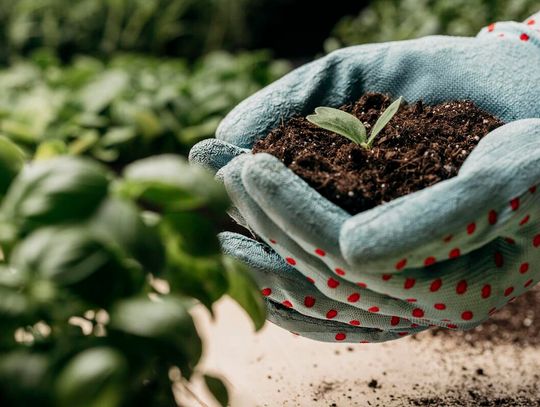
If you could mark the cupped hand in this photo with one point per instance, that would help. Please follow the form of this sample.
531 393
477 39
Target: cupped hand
448 255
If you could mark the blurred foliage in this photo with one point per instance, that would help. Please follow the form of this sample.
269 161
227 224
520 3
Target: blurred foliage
389 20
98 275
128 108
185 28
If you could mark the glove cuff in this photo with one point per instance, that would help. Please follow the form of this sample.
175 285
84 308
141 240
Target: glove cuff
525 32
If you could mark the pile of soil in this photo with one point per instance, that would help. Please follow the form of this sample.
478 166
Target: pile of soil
420 146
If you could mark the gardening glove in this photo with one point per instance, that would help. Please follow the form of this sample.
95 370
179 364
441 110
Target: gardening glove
448 255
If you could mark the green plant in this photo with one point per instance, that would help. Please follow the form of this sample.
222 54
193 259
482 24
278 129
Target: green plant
349 126
187 28
128 108
389 20
98 275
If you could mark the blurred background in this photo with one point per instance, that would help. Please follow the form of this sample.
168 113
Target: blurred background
167 71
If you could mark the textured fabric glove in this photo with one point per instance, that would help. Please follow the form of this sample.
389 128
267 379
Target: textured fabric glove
448 255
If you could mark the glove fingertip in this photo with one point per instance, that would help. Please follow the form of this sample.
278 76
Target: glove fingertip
214 154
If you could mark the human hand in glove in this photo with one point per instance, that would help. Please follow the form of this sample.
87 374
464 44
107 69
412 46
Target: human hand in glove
448 255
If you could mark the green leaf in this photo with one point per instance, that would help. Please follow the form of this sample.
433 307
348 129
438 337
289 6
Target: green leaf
84 142
171 183
200 277
11 162
97 95
243 290
74 258
164 326
384 119
120 223
50 149
23 378
218 389
340 122
96 377
194 234
55 191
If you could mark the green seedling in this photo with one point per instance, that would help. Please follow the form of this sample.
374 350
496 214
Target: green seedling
349 126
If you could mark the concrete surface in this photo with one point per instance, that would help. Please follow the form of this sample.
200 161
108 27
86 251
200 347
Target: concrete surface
276 368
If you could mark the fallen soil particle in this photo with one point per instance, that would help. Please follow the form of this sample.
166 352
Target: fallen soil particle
374 384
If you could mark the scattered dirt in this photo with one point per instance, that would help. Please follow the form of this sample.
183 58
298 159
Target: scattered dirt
419 147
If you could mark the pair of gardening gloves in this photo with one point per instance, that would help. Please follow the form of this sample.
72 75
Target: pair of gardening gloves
449 255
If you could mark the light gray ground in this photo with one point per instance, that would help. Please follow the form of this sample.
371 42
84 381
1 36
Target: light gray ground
276 368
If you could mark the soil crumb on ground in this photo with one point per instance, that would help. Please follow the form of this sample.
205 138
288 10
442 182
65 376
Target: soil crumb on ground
420 146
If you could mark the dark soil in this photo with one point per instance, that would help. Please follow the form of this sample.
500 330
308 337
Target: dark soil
421 146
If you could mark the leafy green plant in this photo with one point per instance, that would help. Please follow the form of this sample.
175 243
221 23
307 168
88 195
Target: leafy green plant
349 126
128 108
99 272
390 20
188 28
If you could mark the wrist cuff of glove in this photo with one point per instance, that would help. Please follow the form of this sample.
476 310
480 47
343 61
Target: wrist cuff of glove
525 32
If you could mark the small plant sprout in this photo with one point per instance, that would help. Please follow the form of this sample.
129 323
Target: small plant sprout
349 126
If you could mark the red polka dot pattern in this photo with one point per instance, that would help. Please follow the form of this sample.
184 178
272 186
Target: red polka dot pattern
439 293
287 303
435 285
461 287
291 261
467 315
400 265
524 37
514 204
339 272
429 261
409 283
486 291
331 314
524 220
332 283
309 301
492 217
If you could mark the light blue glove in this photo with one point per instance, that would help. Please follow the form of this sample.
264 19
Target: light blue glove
448 255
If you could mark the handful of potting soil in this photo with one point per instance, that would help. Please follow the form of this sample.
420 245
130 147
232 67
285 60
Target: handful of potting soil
447 255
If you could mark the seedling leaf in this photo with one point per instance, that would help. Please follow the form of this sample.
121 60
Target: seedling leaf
339 122
384 119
